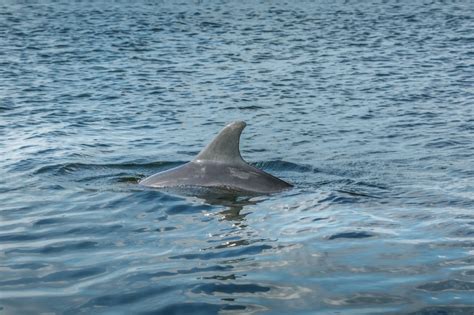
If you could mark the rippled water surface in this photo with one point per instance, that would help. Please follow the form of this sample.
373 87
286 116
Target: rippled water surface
368 109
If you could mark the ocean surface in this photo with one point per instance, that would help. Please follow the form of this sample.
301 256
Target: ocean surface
367 108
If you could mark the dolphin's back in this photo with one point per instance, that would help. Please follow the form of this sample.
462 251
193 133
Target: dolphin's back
243 178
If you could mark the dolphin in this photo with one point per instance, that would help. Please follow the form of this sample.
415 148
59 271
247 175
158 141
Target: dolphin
219 166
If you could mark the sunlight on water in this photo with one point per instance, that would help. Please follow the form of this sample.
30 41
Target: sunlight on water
365 107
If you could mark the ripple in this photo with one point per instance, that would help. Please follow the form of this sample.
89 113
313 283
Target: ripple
60 276
448 285
130 297
368 299
212 288
351 235
445 309
249 250
195 308
366 108
56 248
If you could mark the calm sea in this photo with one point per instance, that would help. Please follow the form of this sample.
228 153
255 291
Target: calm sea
367 108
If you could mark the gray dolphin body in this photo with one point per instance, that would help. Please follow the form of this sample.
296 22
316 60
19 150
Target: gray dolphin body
219 165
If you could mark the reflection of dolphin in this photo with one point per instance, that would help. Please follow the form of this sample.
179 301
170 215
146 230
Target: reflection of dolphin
219 166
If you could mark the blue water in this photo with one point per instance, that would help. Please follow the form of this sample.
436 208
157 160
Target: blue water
367 108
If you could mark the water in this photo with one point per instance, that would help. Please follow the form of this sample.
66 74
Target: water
366 108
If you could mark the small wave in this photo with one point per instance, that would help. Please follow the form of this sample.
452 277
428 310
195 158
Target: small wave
351 235
59 276
143 276
61 169
344 196
57 248
212 288
99 176
130 297
195 308
186 208
442 143
448 285
249 250
364 299
445 309
356 194
283 166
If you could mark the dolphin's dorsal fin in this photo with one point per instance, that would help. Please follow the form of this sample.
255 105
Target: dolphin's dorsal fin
225 146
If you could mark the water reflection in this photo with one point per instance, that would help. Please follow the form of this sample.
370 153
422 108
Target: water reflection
366 107
233 205
231 202
228 268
